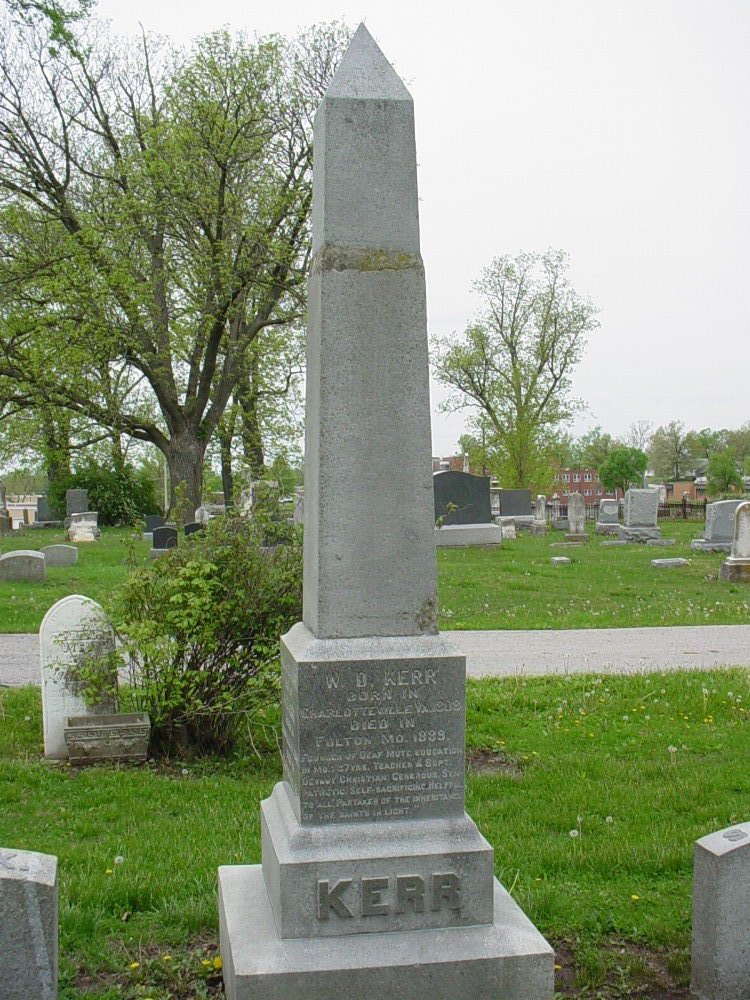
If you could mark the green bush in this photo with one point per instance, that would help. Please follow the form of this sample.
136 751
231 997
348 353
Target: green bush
200 629
122 496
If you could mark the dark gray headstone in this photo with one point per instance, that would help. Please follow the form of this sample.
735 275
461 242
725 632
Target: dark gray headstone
76 502
194 527
165 537
43 510
515 503
461 498
153 521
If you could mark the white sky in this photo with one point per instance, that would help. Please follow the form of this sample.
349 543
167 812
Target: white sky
618 130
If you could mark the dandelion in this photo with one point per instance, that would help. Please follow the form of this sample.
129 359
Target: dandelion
166 958
635 897
206 962
574 834
218 962
609 820
185 771
109 871
135 965
119 860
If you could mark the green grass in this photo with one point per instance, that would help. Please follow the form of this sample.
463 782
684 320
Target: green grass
593 754
516 587
101 566
512 587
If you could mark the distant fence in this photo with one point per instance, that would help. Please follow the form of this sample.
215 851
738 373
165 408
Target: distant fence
678 510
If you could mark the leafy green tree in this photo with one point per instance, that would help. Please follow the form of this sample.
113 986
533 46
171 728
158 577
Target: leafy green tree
671 451
723 472
592 449
623 468
704 443
155 222
514 364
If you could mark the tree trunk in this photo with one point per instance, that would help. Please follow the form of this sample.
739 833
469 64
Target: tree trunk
56 431
185 459
225 436
252 442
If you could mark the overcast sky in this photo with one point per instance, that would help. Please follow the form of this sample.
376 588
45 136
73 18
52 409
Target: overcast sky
618 130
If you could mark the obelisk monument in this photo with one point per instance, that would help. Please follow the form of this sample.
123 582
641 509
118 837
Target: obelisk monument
374 882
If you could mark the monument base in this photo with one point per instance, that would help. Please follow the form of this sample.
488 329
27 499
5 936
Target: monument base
538 528
606 527
702 545
580 539
735 571
640 534
505 960
451 535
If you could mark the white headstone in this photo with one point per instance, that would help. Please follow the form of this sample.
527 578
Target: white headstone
84 527
540 508
741 540
73 625
641 508
576 514
28 925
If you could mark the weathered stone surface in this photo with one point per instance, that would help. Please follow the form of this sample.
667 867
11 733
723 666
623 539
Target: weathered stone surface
458 535
76 502
93 738
661 543
720 520
152 521
641 508
83 526
44 512
461 498
194 527
540 508
614 543
721 904
509 530
581 539
60 555
165 537
560 561
507 959
23 565
73 627
516 503
639 535
609 512
576 514
669 563
736 569
28 925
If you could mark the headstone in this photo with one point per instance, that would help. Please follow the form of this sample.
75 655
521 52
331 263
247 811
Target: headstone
60 555
463 513
208 511
76 502
576 519
736 568
669 563
641 514
509 530
516 503
299 505
539 523
608 516
164 538
84 527
44 513
193 527
660 543
152 521
72 628
718 532
560 561
28 925
22 566
374 881
721 910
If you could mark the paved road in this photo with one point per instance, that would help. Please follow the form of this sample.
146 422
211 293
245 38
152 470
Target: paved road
506 654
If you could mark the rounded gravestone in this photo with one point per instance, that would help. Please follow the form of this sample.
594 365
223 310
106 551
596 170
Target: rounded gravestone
24 565
60 555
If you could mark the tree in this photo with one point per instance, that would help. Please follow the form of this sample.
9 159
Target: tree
593 448
670 451
156 209
704 443
723 472
623 468
514 364
639 435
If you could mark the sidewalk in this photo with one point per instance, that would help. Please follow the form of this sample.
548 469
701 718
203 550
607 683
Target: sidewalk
532 653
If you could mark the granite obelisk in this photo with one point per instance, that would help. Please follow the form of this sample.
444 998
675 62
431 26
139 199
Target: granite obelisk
374 882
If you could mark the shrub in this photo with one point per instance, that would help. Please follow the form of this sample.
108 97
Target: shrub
122 496
200 629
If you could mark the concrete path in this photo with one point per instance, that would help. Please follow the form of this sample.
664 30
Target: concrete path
507 654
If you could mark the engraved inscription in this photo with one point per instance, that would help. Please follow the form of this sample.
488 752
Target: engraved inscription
381 895
735 835
379 741
7 861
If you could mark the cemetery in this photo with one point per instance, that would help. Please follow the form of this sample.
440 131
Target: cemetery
252 762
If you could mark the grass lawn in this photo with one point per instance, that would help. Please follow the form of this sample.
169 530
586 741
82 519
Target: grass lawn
584 754
101 566
513 587
516 587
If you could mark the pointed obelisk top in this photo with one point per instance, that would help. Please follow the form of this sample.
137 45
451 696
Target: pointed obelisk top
364 73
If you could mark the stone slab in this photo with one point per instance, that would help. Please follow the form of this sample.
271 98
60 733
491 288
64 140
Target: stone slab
719 525
538 528
76 501
461 498
516 503
507 959
701 545
613 543
661 543
165 537
576 514
28 925
609 512
605 527
581 538
641 508
373 729
456 535
735 571
327 881
721 907
509 529
152 521
669 563
60 555
22 566
560 561
639 534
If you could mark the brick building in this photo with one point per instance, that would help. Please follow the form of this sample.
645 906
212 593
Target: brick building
585 481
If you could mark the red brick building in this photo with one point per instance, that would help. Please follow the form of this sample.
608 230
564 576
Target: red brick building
584 481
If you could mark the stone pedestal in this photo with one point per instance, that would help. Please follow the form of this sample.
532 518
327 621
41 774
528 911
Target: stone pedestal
606 528
736 569
579 538
456 535
632 533
28 925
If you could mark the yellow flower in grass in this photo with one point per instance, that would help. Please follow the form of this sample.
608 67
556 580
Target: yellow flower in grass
166 958
135 965
635 897
218 962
